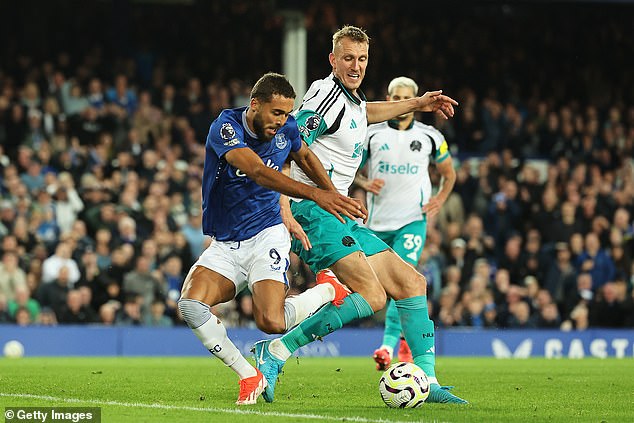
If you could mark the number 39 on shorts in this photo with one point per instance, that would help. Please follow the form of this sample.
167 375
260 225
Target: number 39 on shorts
412 243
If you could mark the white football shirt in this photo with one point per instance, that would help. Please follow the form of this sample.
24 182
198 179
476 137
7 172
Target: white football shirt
333 122
401 159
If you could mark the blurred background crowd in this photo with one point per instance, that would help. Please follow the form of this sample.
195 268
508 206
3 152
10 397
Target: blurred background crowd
105 107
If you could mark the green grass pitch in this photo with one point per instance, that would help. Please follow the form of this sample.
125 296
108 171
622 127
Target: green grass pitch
322 390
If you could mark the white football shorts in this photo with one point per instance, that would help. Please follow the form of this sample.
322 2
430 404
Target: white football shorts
264 256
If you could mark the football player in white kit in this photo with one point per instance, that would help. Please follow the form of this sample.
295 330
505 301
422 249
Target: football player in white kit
333 120
398 154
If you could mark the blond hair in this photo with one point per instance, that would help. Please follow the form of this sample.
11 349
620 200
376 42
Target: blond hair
402 81
352 32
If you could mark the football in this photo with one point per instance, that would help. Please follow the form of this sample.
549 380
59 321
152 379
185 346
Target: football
404 385
13 349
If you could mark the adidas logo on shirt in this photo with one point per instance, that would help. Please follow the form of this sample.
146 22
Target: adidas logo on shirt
384 147
353 124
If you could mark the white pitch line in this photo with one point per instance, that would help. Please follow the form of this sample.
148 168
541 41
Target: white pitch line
206 410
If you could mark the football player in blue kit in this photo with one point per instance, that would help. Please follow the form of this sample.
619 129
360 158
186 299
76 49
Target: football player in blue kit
245 151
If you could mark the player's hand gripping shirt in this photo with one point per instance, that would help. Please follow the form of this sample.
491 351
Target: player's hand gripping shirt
401 159
333 122
234 207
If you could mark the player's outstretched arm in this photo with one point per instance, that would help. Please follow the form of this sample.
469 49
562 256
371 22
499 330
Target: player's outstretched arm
252 166
431 101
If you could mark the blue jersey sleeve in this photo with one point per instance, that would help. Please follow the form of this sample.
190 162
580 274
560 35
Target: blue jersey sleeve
293 134
226 134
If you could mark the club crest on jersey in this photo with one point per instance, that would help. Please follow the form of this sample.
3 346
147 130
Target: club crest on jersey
348 241
280 141
227 132
313 122
415 145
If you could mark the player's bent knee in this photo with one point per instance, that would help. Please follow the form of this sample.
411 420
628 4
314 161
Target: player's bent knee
376 299
412 286
270 325
416 285
194 312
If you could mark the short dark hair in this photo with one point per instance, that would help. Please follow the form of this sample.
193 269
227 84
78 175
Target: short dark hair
270 84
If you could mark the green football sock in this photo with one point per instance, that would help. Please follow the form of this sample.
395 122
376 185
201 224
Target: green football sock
327 320
392 331
419 332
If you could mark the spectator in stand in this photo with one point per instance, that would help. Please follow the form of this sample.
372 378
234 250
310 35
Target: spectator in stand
108 313
548 217
67 202
157 317
196 111
514 295
169 102
450 310
16 126
91 275
193 233
74 312
457 257
23 300
95 95
534 258
48 317
24 237
530 191
607 310
4 310
53 294
596 261
511 260
180 247
122 97
126 232
61 258
172 281
35 138
466 185
561 275
502 283
33 178
103 243
23 317
588 212
130 313
79 239
11 275
567 225
549 317
503 213
73 100
479 243
521 317
141 282
581 294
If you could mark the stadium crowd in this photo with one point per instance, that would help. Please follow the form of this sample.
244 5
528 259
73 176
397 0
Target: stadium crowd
101 160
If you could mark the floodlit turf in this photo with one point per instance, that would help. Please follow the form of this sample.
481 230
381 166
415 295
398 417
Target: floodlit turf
322 389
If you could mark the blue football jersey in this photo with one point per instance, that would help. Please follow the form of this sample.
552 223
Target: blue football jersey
234 207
